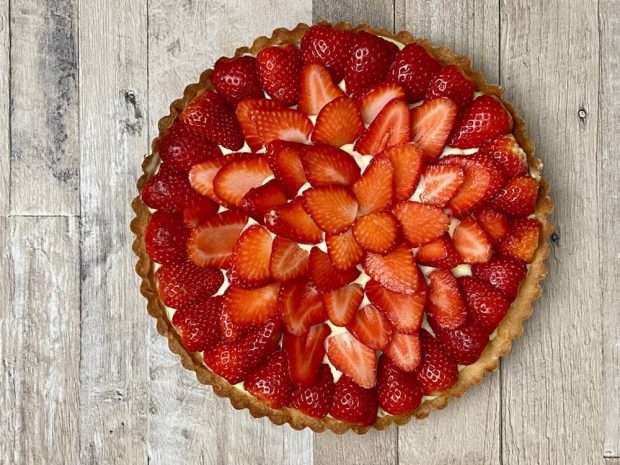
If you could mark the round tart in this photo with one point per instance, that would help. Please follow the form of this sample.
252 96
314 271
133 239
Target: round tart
341 228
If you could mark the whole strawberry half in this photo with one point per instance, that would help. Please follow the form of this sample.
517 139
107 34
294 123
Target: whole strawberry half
437 370
182 283
181 148
329 47
198 324
398 392
270 382
305 353
353 403
452 83
279 68
168 190
485 118
165 239
316 399
236 78
508 154
487 306
522 239
504 273
414 68
465 343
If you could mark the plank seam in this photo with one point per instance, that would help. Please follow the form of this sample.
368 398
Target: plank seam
10 119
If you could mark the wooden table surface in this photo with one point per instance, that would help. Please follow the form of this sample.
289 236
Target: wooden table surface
86 379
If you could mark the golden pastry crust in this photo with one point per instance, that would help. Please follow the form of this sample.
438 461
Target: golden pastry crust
510 328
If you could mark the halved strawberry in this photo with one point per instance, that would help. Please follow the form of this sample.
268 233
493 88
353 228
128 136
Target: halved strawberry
374 190
353 359
230 331
371 327
414 68
181 283
212 242
285 124
376 232
292 221
236 178
398 391
197 324
333 208
278 70
431 124
236 78
181 148
438 370
354 404
315 400
284 159
485 118
270 382
404 351
342 304
165 239
518 197
300 305
405 312
465 343
288 260
439 254
440 183
199 210
471 242
259 201
325 165
168 190
452 83
396 271
421 223
245 112
201 175
316 89
487 306
503 273
407 160
508 154
391 126
372 102
494 223
522 240
343 250
338 123
250 307
305 353
328 46
324 275
445 302
249 263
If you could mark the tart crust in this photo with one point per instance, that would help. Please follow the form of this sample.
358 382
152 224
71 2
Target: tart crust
510 328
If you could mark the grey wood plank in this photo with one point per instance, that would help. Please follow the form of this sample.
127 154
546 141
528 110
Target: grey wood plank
379 14
5 147
44 112
552 380
609 209
40 341
115 326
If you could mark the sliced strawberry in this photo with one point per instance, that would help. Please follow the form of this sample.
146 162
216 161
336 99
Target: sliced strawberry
494 223
250 307
518 197
438 370
198 324
270 382
471 242
353 359
371 327
406 160
485 118
372 102
376 232
230 331
404 351
287 125
398 391
169 191
278 70
414 69
201 175
445 302
440 183
508 154
354 404
249 265
259 201
391 126
498 179
503 273
182 283
396 271
405 312
374 191
333 208
291 220
325 165
465 343
431 124
317 89
343 250
342 304
245 112
421 223
181 148
522 240
338 123
452 83
284 159
487 305
315 400
305 353
236 178
236 78
328 46
199 210
300 305
165 239
324 275
288 260
212 242
439 254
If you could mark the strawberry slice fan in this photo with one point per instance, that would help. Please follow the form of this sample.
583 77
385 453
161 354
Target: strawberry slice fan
341 228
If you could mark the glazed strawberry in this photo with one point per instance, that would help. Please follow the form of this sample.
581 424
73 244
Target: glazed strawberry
485 118
305 353
487 306
249 265
270 382
503 273
291 221
498 179
376 232
182 283
391 126
437 371
210 115
494 223
404 351
440 183
300 305
212 242
288 260
471 242
342 304
371 327
374 190
353 359
431 124
168 190
236 178
278 71
396 271
414 69
328 46
370 58
343 250
324 275
338 123
450 82
324 165
230 331
372 102
259 201
354 404
250 307
315 400
333 208
508 154
197 324
405 312
398 392
165 238
406 160
518 197
465 343
284 159
246 111
421 223
236 78
445 302
201 175
285 124
198 210
317 89
181 148
522 240
439 254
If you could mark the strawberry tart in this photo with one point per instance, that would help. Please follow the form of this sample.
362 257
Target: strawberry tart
341 228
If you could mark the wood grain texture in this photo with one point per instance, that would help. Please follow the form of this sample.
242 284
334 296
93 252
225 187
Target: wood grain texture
5 118
551 381
40 341
379 14
44 112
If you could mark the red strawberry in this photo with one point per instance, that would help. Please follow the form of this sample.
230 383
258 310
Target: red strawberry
440 183
406 160
404 351
315 400
376 232
353 359
414 68
181 148
333 208
305 353
522 240
437 370
344 251
405 312
182 283
328 46
371 327
450 82
503 273
494 223
324 275
508 154
372 102
374 190
288 260
165 239
487 306
439 254
325 165
250 307
198 324
201 175
210 115
230 331
278 71
398 392
342 304
396 271
316 89
354 404
471 242
169 191
291 220
286 124
249 265
338 123
483 161
259 201
431 124
445 303
391 126
370 58
300 305
270 382
465 343
236 178
212 242
284 159
485 118
246 111
421 223
518 197
236 78
199 210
